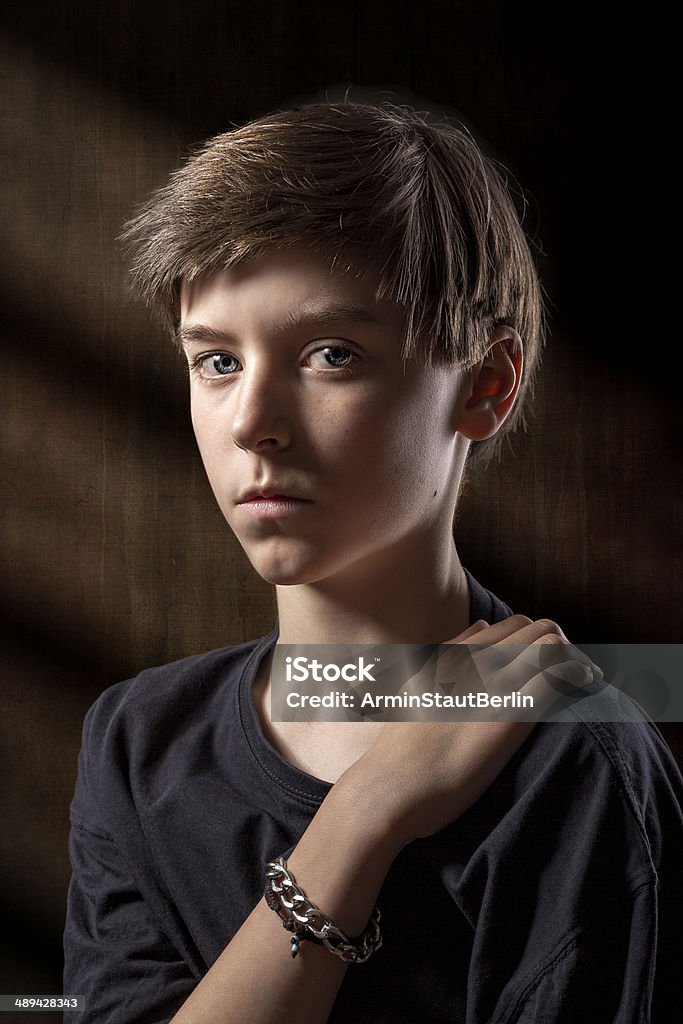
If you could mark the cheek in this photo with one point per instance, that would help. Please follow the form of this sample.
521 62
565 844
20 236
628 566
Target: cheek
383 452
351 436
199 426
413 451
196 415
388 431
207 431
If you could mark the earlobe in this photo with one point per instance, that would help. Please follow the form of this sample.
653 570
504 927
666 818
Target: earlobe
492 386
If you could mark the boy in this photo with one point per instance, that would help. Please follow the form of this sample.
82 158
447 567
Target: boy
361 318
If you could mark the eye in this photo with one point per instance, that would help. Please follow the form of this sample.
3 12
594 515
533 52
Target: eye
218 364
335 357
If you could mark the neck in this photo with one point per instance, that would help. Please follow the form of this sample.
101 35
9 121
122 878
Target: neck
416 595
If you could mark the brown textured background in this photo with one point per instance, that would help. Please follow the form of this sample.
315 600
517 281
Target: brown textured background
113 555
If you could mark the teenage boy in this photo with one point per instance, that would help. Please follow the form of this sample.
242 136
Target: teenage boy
361 317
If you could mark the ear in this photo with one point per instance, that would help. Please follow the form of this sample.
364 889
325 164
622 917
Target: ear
490 387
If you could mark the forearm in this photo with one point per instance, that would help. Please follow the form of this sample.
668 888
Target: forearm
340 862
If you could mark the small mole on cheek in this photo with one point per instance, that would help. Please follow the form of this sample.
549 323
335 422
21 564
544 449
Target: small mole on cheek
434 494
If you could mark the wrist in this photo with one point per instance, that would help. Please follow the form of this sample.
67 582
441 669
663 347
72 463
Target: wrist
342 859
308 922
372 808
379 809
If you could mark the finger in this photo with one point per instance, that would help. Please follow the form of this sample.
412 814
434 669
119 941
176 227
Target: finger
511 663
492 649
532 630
507 668
506 648
552 649
499 630
476 627
560 685
456 659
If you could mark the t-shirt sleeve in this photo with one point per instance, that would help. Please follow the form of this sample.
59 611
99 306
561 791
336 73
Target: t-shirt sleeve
600 970
575 896
116 954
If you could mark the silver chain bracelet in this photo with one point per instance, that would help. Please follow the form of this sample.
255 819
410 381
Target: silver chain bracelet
307 921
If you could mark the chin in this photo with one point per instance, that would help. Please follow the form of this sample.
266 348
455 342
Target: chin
288 570
280 576
290 562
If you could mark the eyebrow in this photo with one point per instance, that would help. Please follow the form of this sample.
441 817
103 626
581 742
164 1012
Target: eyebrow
309 315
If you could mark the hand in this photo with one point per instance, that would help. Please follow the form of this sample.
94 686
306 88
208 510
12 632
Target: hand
417 777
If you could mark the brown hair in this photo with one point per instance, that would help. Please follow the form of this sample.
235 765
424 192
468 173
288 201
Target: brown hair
378 187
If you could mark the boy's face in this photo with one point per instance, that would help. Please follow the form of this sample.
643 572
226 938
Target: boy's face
298 388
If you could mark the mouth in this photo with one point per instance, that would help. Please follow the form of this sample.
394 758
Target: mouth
272 493
272 506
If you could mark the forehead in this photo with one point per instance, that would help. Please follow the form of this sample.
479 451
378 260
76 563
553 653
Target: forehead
287 286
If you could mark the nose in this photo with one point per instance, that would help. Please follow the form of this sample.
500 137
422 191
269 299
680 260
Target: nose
263 404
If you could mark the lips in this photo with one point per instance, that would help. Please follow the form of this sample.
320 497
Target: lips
273 493
273 503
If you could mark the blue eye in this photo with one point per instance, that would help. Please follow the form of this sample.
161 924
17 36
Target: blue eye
218 365
336 356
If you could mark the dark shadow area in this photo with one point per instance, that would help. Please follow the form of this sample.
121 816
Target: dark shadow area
537 84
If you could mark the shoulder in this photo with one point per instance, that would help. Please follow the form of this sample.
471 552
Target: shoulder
594 805
618 772
631 756
144 726
642 769
158 692
598 762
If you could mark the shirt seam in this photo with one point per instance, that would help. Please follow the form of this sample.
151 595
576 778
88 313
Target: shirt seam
565 945
625 786
84 826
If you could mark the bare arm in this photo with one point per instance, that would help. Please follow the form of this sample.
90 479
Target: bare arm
414 780
340 861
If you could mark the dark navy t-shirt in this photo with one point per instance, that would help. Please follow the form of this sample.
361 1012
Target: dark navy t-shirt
556 898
